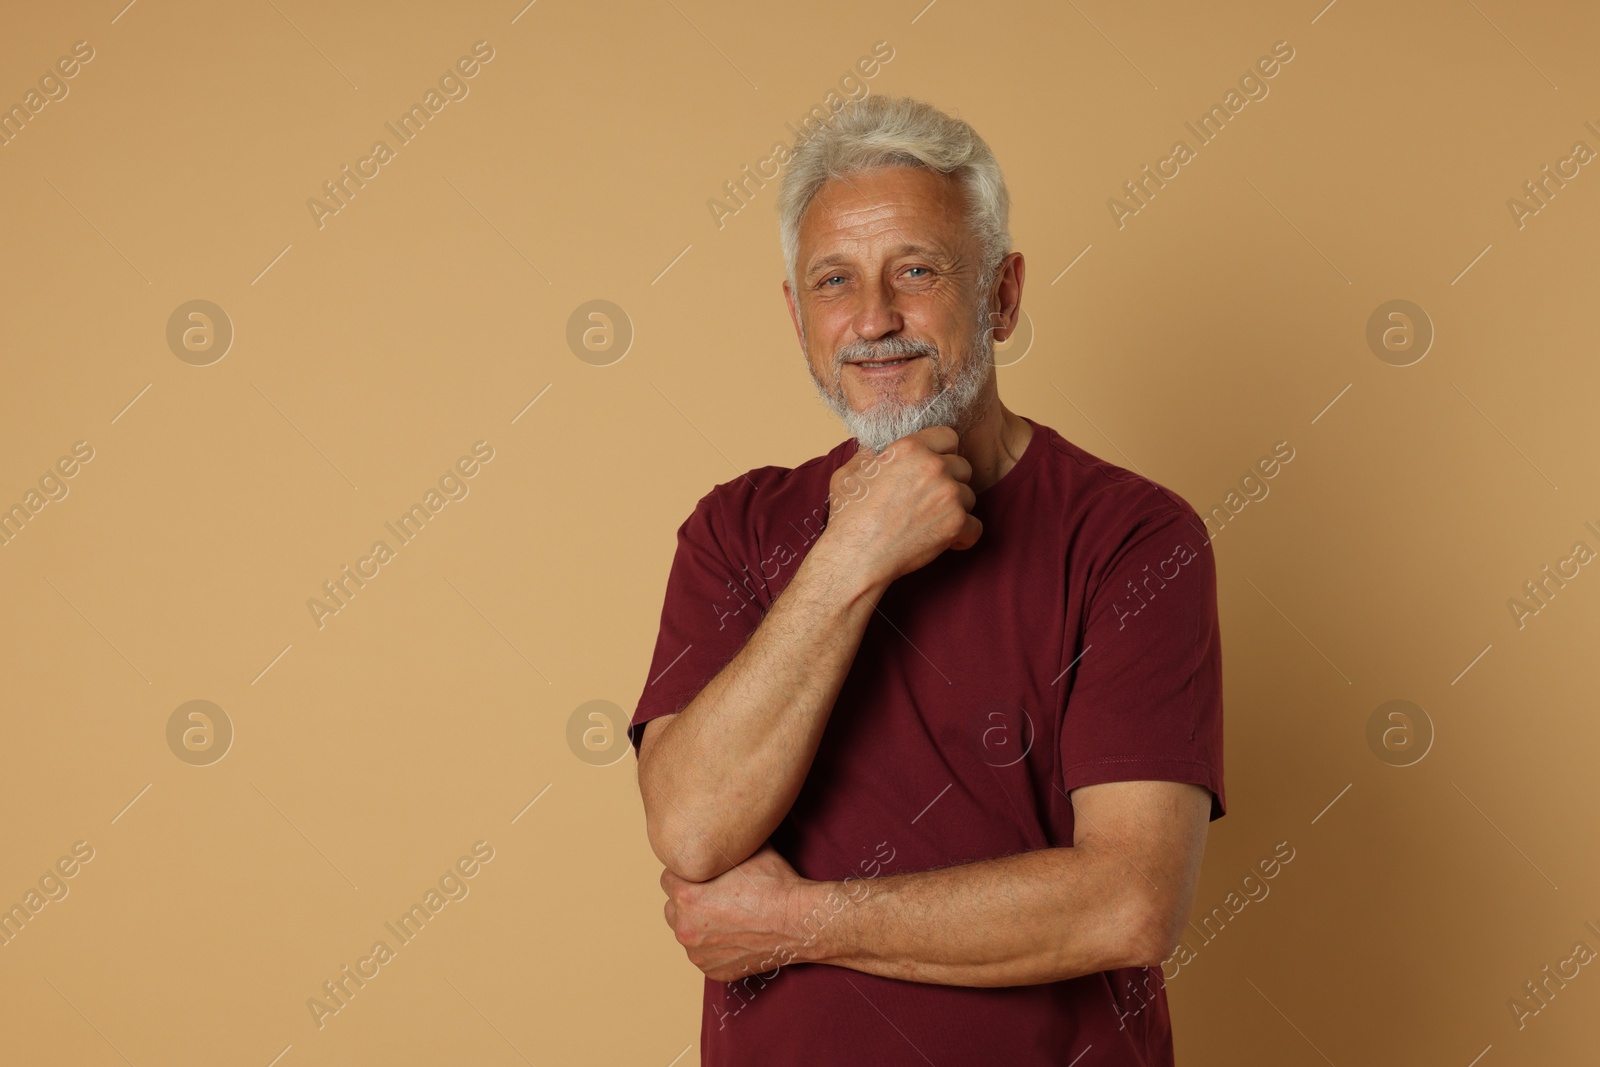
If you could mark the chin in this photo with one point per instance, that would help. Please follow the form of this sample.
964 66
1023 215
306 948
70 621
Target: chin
899 396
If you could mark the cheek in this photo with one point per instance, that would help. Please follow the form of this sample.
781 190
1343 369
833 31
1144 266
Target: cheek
831 324
821 367
945 317
823 339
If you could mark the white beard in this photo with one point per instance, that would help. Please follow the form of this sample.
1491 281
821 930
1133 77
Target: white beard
890 419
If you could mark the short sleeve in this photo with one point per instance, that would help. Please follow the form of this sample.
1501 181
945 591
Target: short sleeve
706 617
1146 695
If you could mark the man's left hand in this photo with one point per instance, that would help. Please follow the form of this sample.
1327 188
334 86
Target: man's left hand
742 921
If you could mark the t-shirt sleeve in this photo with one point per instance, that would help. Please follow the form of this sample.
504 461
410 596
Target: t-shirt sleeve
706 617
1146 698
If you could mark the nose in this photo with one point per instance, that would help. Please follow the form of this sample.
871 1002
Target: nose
875 313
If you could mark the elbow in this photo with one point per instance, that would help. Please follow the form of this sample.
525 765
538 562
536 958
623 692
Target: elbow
1152 939
694 865
684 851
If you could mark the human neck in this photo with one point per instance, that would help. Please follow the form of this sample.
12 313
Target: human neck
993 444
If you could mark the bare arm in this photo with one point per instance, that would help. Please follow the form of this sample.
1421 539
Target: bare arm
1119 897
718 777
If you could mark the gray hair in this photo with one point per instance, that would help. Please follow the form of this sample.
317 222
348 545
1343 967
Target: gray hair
880 131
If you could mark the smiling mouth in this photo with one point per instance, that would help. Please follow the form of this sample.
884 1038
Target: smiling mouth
874 364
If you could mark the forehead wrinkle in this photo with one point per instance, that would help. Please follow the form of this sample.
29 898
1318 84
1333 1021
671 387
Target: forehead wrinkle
851 185
954 256
848 242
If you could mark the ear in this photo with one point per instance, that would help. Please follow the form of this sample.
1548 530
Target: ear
1005 303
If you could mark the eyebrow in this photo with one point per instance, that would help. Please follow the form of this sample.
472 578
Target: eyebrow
894 253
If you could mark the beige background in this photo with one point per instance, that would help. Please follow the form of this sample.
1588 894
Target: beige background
370 353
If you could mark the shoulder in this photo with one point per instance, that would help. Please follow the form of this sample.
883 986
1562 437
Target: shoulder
1111 505
738 507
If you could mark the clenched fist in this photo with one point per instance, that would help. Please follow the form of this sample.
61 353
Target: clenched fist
896 512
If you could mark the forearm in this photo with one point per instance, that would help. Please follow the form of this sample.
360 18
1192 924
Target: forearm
725 773
1033 917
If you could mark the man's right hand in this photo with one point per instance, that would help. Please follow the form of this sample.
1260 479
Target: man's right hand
893 513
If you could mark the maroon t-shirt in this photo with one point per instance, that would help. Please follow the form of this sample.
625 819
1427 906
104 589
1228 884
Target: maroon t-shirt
1075 643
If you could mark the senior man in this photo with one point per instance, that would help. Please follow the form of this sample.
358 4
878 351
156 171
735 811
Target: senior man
932 734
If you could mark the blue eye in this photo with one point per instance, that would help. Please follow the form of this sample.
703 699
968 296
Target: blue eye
825 281
908 271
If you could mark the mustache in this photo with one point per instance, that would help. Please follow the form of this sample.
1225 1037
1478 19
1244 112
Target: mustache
886 348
